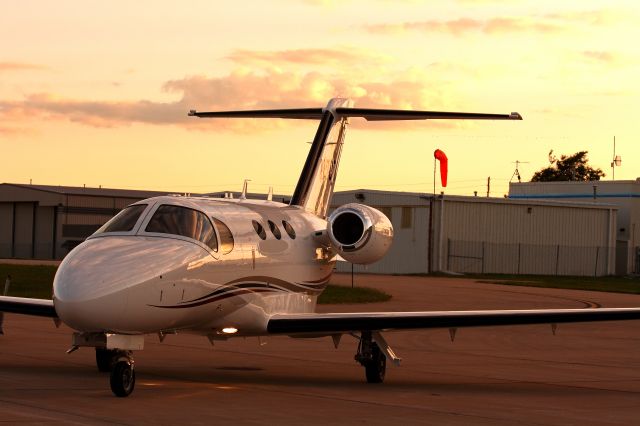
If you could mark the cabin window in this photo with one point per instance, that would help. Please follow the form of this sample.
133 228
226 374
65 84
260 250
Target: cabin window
289 229
183 221
226 238
259 230
123 221
274 230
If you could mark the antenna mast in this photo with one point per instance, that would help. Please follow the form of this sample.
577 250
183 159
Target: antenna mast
617 160
516 172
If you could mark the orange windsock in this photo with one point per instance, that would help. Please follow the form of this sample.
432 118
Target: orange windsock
441 156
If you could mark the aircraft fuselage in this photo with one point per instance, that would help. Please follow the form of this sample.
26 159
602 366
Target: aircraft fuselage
264 260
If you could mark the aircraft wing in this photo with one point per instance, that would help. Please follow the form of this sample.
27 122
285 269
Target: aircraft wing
27 306
384 321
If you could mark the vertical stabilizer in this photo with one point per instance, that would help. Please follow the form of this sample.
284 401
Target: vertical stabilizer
317 180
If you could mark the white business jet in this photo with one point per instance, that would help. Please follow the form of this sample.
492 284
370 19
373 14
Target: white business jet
224 268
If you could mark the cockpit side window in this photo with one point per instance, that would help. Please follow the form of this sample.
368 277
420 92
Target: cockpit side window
183 221
226 238
124 221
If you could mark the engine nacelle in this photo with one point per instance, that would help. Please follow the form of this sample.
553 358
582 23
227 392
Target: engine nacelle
359 233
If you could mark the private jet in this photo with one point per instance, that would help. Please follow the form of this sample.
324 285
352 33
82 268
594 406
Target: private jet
238 267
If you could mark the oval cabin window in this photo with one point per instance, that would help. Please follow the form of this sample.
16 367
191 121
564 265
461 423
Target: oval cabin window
289 229
275 230
259 230
226 238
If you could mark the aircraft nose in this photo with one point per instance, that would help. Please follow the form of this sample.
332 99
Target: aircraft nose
93 284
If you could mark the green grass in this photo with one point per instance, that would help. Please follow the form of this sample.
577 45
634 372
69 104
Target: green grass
28 280
342 294
609 284
37 281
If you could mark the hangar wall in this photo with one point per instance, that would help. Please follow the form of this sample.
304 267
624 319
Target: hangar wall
46 222
490 235
625 194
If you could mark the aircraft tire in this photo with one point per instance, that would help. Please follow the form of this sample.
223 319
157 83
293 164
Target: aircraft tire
123 378
375 367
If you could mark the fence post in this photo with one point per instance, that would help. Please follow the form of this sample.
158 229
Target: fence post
595 272
483 257
448 253
557 258
7 283
519 244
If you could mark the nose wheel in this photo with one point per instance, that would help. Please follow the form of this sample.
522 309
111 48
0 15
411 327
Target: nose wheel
123 375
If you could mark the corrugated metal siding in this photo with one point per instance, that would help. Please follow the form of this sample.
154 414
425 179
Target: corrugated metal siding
493 235
544 225
408 254
90 202
6 229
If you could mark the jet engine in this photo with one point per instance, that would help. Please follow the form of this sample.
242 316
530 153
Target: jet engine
359 233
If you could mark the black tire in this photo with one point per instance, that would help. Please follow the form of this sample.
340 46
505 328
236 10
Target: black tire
376 367
104 359
123 378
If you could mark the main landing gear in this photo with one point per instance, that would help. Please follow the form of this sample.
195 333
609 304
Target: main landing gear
121 365
372 354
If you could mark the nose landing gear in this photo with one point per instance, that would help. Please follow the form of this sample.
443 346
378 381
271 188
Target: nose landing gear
123 376
113 354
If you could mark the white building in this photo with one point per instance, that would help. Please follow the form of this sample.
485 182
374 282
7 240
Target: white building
624 194
491 235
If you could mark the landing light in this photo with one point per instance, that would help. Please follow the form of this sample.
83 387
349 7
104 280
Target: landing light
229 330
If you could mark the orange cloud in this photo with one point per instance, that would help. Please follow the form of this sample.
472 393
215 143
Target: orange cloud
411 89
545 24
19 66
307 56
602 57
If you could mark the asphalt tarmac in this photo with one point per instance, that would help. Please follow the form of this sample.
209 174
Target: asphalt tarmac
587 374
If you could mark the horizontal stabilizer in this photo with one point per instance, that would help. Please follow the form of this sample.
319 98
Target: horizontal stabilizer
380 321
366 113
298 113
398 114
27 306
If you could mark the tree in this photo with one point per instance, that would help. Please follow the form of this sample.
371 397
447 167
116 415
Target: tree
568 168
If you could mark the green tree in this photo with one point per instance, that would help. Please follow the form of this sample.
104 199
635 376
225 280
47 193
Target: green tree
568 168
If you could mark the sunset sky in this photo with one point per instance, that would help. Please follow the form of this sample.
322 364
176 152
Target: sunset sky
97 93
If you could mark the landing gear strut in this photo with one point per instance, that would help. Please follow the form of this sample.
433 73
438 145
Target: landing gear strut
104 358
371 358
123 375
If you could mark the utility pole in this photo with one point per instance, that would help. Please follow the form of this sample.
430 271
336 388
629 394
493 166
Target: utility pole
488 186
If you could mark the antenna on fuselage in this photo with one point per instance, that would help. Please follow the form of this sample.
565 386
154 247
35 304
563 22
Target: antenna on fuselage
243 196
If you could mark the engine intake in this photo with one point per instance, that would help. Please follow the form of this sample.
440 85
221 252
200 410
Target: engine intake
359 233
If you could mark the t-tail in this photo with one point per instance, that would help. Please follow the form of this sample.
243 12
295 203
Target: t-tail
317 180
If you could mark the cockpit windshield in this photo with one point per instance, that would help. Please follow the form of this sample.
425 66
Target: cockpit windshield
123 221
183 221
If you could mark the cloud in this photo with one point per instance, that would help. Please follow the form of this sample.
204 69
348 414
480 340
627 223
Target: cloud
314 56
601 57
540 24
268 88
20 66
